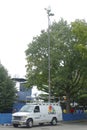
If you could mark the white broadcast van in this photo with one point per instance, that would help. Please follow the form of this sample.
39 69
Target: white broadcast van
37 113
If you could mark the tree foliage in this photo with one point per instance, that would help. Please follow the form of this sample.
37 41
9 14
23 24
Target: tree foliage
68 52
7 91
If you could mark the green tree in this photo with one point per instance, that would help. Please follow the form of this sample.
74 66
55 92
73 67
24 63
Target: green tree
68 60
7 91
79 32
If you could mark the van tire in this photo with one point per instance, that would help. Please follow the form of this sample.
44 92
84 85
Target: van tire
54 121
15 125
29 123
41 124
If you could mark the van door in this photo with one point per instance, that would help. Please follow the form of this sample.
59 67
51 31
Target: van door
44 114
37 115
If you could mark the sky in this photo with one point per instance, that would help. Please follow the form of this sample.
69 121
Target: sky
21 20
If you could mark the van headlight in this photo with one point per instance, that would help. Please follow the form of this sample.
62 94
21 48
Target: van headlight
23 118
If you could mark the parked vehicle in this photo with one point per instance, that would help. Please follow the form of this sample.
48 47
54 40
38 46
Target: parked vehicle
37 113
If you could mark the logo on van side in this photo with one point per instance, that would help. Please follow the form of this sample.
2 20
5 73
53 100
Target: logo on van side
51 110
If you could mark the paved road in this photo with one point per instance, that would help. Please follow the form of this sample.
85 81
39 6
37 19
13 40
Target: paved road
60 126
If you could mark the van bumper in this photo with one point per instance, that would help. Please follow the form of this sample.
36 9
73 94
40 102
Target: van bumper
19 122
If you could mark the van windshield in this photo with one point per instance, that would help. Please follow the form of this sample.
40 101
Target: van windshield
26 108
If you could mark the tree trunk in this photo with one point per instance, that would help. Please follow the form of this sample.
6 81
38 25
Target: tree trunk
67 103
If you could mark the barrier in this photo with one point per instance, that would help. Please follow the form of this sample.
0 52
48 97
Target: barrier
5 118
74 116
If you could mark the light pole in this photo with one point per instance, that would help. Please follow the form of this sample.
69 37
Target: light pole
49 80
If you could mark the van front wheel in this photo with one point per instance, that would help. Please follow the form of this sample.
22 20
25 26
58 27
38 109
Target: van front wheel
54 121
29 123
15 125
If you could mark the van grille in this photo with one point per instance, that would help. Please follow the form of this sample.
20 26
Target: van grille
17 117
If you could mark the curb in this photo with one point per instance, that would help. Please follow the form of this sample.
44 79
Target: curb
75 121
5 124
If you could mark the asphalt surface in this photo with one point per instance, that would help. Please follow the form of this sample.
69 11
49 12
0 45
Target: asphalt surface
78 125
